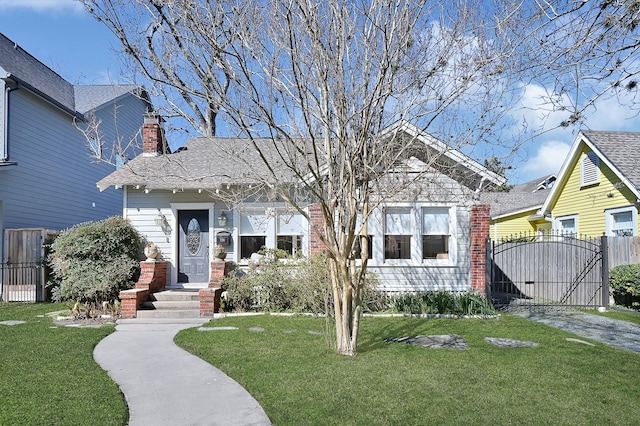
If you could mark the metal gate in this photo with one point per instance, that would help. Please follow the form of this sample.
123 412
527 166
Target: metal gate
22 274
549 270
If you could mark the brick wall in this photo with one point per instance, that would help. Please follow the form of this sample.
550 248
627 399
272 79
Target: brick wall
480 220
316 218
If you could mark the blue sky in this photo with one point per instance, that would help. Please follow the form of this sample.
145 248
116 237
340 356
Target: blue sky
63 36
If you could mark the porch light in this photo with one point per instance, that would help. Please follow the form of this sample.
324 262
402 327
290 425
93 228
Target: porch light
222 219
161 221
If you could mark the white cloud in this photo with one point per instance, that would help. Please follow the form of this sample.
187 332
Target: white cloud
537 110
548 159
42 5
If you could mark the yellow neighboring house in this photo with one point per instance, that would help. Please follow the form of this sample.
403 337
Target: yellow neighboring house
596 192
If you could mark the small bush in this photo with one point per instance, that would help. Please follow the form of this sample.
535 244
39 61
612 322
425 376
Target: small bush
624 281
93 261
298 285
442 302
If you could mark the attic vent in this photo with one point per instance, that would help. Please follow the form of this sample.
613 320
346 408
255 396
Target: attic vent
590 169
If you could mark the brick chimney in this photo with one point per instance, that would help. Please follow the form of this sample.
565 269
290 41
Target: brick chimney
153 141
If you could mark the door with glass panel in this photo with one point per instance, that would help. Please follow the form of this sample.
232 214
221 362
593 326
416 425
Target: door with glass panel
193 247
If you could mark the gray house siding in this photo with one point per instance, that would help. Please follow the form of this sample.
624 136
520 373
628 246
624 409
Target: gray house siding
53 185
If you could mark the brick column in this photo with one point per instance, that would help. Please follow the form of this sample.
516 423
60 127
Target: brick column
480 220
316 246
153 276
210 297
219 270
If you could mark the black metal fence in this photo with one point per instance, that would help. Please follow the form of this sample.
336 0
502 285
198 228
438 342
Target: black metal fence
22 282
550 270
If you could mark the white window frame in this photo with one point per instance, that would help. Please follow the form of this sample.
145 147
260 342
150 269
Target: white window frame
379 233
410 232
297 234
263 231
610 213
589 169
557 225
424 231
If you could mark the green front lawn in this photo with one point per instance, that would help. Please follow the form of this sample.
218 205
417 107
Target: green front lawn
48 375
298 380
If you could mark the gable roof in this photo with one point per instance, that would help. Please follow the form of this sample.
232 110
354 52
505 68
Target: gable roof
19 66
208 163
89 97
620 151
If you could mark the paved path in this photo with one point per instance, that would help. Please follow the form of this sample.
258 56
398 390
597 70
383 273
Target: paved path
165 385
613 332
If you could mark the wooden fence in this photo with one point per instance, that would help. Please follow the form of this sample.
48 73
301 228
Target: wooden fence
623 250
22 274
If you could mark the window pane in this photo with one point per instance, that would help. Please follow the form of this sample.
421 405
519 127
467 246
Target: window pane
357 252
623 223
435 221
568 226
291 223
253 223
193 236
398 221
292 244
435 246
250 244
397 247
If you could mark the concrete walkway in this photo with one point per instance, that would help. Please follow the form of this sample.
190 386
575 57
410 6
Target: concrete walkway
165 385
613 332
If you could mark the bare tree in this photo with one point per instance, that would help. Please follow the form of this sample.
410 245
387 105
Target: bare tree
328 88
580 52
179 47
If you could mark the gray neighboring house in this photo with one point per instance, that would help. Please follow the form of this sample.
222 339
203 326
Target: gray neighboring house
47 173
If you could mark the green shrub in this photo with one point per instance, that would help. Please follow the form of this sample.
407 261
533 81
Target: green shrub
93 261
287 284
442 302
624 281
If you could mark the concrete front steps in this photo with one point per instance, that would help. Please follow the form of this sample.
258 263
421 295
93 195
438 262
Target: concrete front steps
176 303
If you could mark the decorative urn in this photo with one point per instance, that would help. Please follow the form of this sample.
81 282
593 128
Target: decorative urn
151 251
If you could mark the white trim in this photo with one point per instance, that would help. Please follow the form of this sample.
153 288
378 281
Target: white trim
612 211
558 219
526 209
379 232
175 207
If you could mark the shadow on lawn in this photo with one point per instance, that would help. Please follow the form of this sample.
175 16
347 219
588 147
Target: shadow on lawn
372 336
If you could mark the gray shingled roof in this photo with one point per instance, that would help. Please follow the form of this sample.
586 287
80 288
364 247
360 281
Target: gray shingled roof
202 163
27 70
88 97
511 202
33 73
622 149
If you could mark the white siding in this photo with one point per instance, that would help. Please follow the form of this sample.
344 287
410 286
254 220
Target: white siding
428 278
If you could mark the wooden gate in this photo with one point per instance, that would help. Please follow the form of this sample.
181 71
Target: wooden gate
551 270
21 272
